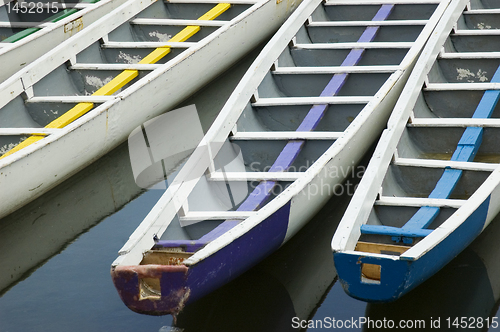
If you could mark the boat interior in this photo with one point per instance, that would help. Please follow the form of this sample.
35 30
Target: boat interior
279 133
449 146
112 64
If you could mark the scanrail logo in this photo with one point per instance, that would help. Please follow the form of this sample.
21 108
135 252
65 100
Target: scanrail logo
159 147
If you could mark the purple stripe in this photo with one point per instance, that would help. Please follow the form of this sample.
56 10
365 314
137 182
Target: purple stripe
262 192
292 149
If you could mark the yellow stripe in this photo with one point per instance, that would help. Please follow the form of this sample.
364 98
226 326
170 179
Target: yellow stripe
70 116
122 79
23 144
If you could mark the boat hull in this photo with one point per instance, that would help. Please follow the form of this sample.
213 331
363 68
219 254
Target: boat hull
37 44
402 275
97 133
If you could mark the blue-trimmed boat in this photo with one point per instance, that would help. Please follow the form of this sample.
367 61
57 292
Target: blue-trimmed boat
432 185
307 110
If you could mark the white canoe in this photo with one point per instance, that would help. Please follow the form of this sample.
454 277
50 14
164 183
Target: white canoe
431 186
85 96
29 30
280 117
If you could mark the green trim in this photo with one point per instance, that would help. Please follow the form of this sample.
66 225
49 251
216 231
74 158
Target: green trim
54 18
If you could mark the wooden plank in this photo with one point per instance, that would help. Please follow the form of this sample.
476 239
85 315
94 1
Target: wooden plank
24 25
335 70
379 2
354 45
288 101
476 32
286 135
394 231
432 163
70 99
482 11
113 66
234 2
135 45
381 248
461 86
469 55
419 201
27 131
366 23
177 22
453 122
254 176
216 215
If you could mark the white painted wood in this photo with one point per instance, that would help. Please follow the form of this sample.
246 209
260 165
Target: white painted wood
461 86
454 122
334 70
113 66
285 135
27 131
70 99
366 23
216 215
133 45
354 45
62 154
24 25
58 55
368 189
433 163
164 21
349 147
303 206
478 32
482 11
285 101
234 2
469 55
28 49
165 209
254 176
378 2
419 202
62 5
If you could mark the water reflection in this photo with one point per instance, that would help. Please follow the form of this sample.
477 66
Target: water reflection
30 236
290 283
469 286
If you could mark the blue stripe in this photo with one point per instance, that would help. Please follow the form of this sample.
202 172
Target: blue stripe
466 151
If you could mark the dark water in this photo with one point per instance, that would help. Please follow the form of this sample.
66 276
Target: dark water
55 257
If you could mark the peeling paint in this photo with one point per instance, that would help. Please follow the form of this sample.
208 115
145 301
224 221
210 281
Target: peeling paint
4 149
162 37
466 74
96 81
128 58
482 26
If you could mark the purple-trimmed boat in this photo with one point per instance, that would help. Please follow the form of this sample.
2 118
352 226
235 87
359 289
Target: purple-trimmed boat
433 183
307 110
